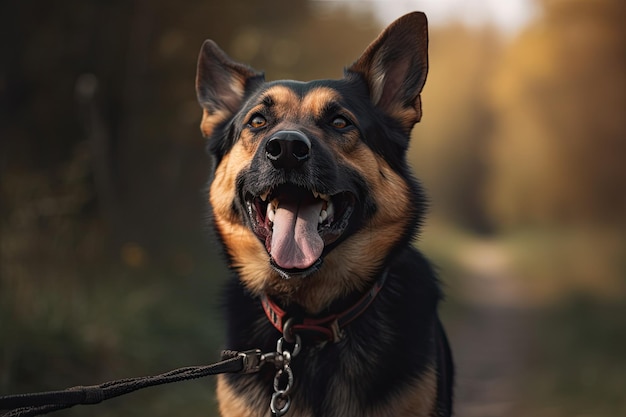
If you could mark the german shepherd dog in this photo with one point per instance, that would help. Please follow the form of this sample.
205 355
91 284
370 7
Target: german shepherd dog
316 208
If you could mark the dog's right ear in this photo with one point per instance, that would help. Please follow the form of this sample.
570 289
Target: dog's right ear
221 85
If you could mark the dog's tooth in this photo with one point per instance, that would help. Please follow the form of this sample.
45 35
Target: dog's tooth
265 195
325 197
330 210
316 194
323 216
270 212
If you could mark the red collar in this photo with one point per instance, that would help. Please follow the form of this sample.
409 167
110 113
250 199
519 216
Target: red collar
329 328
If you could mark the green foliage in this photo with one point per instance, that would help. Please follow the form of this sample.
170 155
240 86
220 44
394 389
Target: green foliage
578 366
84 326
569 288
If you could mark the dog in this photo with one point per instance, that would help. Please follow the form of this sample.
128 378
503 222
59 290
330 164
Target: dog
316 208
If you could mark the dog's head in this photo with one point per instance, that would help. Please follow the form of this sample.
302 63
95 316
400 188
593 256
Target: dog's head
310 190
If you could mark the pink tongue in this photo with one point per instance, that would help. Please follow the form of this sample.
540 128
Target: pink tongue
295 241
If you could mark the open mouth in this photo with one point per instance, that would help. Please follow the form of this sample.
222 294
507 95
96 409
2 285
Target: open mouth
297 224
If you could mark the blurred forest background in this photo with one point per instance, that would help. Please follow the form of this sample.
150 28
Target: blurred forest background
108 270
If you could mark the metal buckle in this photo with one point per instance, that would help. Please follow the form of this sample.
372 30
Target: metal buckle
252 360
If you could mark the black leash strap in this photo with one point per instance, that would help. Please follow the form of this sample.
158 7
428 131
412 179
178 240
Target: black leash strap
24 405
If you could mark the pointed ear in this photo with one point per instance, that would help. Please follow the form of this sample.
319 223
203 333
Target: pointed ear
221 85
395 67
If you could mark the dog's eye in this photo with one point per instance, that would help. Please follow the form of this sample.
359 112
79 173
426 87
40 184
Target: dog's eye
340 122
257 121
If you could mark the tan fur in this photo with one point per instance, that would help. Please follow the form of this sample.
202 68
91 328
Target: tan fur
315 102
231 404
247 251
407 116
211 120
418 400
286 102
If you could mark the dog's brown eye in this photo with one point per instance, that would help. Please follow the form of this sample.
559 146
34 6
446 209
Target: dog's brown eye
340 122
257 121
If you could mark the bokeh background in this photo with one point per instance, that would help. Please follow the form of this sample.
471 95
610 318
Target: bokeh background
108 269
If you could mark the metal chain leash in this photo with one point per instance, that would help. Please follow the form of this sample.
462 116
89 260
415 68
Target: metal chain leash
281 400
253 360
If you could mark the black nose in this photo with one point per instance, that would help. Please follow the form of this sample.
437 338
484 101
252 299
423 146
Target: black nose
288 149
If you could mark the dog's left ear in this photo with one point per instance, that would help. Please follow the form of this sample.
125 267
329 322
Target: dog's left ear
221 85
395 67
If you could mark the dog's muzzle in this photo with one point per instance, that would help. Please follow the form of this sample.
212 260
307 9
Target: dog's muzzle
293 218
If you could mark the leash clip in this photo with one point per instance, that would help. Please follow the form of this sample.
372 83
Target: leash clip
252 361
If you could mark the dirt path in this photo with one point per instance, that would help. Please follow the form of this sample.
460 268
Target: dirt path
490 340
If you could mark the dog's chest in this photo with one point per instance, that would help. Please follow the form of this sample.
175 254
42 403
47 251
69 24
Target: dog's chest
333 382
